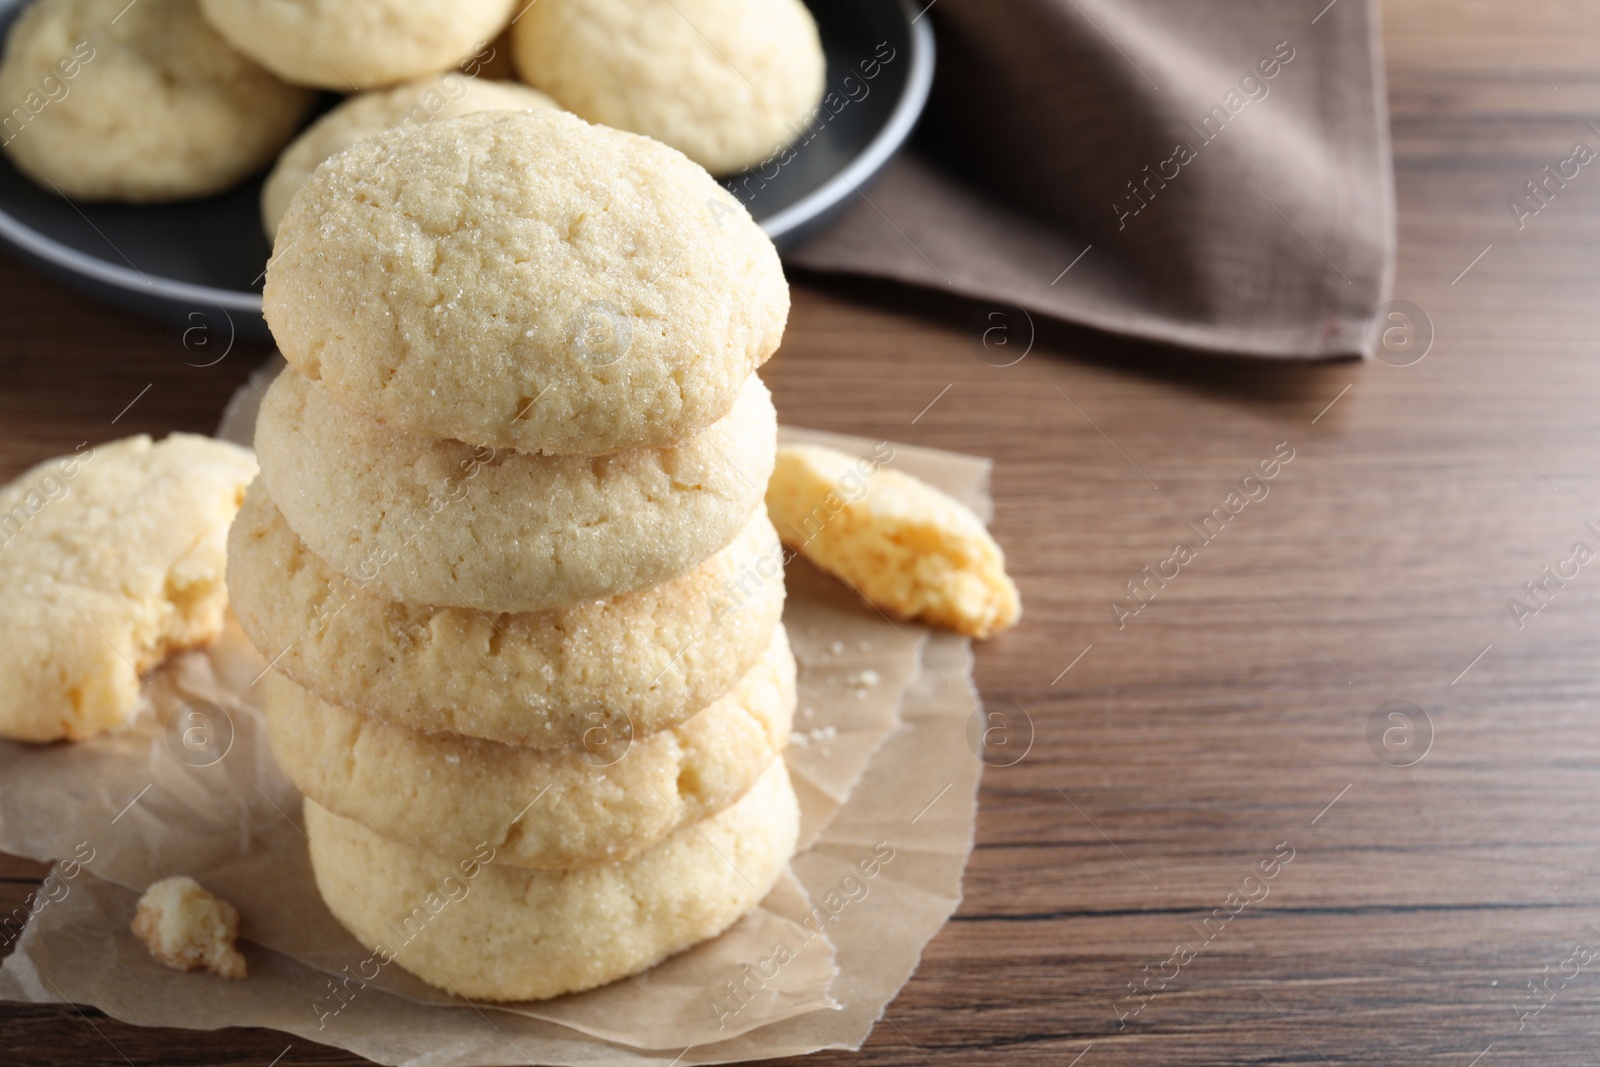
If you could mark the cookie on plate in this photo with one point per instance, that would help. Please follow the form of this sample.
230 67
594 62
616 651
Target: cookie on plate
348 45
439 522
507 933
436 97
637 663
142 102
906 546
726 82
111 559
602 801
522 279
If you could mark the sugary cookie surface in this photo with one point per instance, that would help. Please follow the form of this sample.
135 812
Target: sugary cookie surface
445 523
142 102
601 801
431 99
502 933
525 280
111 559
726 82
644 661
348 45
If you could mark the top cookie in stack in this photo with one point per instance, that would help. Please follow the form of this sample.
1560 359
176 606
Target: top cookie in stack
525 281
509 540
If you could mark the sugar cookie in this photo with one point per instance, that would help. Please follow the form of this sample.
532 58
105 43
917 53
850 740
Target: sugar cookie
471 925
107 100
525 280
349 45
726 82
599 802
443 523
636 663
111 559
439 96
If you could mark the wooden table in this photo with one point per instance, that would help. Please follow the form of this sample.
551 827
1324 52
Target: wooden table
1232 720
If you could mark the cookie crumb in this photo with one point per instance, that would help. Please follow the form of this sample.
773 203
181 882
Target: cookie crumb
807 738
187 928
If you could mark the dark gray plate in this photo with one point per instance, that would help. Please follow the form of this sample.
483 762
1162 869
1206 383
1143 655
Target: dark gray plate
200 263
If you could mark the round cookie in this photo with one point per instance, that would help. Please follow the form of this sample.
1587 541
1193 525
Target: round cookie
506 933
726 82
443 523
600 802
632 665
111 559
142 102
525 280
438 97
349 45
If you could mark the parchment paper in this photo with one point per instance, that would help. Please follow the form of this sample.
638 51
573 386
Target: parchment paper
880 762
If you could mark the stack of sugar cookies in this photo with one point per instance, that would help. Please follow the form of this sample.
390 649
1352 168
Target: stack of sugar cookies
508 556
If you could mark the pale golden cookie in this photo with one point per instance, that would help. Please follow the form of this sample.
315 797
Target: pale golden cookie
111 559
726 82
525 280
490 931
443 523
357 44
360 117
437 97
909 548
599 802
643 662
187 928
106 100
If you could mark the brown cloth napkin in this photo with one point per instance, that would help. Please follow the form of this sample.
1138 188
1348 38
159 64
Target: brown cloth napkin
1209 173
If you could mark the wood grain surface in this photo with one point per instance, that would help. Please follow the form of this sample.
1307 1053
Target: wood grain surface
1241 717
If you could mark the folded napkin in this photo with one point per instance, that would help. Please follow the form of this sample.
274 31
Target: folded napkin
1208 173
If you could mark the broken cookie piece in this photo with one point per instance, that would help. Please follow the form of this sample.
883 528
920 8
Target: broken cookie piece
187 928
111 560
909 548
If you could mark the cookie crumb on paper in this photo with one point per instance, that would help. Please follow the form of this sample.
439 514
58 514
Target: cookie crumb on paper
187 928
